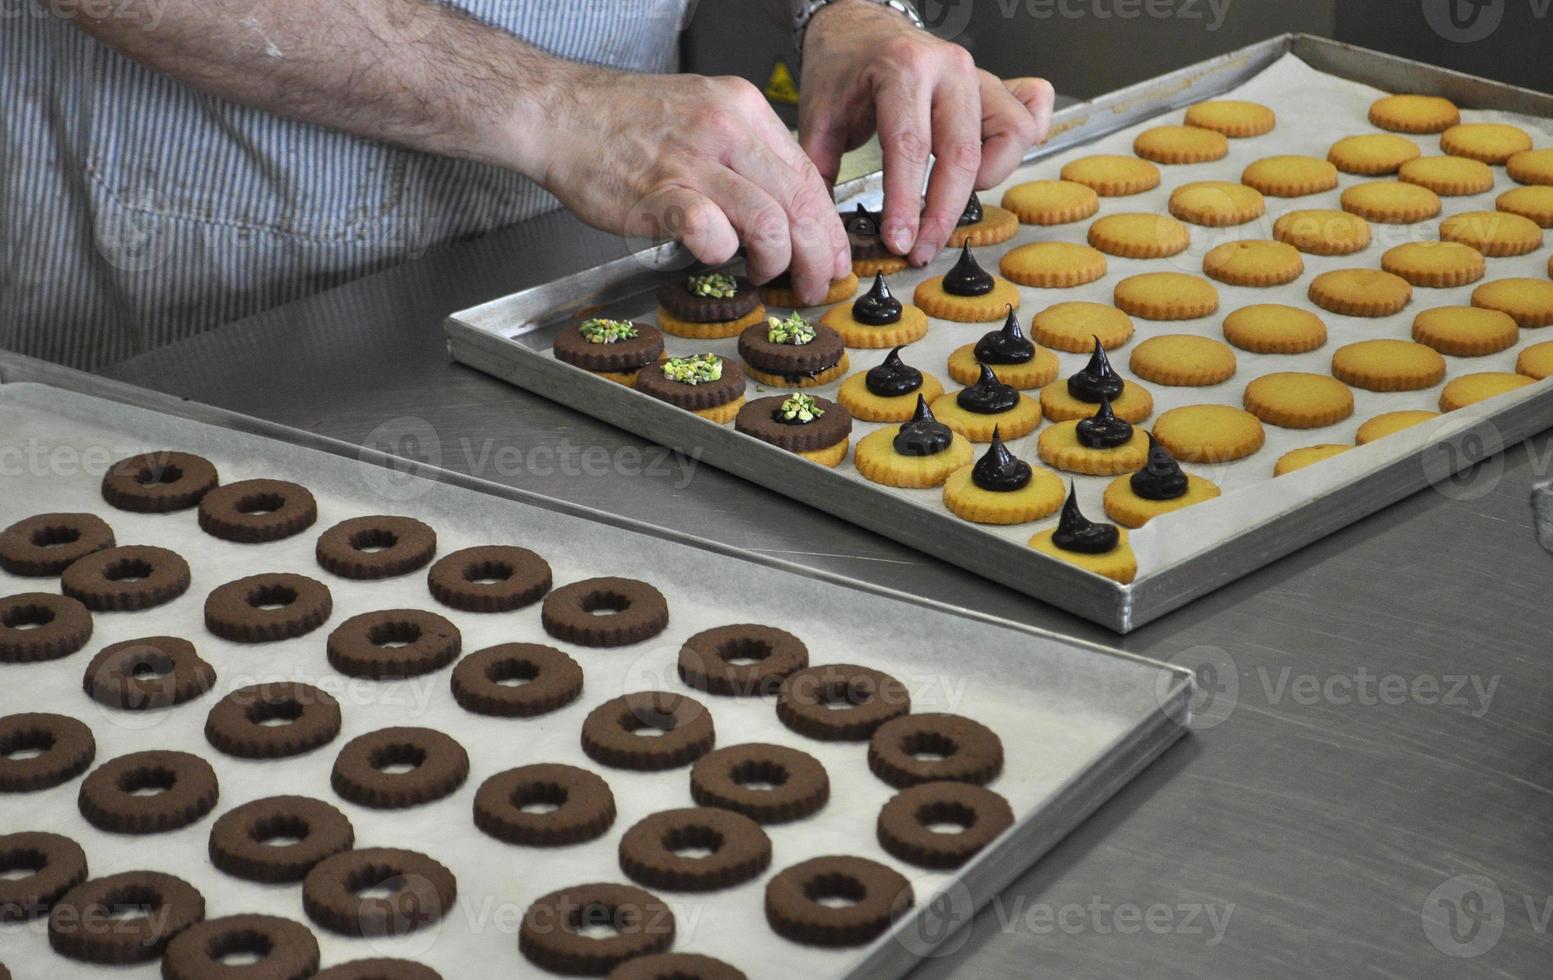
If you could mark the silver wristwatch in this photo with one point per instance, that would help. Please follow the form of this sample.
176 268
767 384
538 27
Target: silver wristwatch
804 11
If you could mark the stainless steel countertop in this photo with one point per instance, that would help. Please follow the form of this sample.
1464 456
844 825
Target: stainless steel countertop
1305 827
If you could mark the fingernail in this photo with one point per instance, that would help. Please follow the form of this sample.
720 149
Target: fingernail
923 254
843 263
898 238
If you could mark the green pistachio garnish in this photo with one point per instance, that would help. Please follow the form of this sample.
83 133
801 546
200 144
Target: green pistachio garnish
601 331
713 285
794 330
800 408
693 370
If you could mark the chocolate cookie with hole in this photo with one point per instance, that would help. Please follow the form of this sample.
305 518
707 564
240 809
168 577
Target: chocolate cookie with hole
942 825
544 805
269 607
393 643
278 838
516 680
767 783
381 546
123 918
694 849
489 578
148 792
745 659
840 702
395 768
648 731
378 891
932 747
269 948
273 720
605 612
126 578
836 900
590 929
256 511
36 869
46 544
158 482
39 750
38 626
146 673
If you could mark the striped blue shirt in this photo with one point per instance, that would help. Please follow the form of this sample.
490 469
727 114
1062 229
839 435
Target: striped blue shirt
135 211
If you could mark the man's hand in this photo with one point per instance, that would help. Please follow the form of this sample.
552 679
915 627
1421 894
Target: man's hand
867 69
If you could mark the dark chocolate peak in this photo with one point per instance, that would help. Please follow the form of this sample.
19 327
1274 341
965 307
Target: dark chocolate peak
967 278
877 307
893 378
1075 532
1006 346
924 435
999 470
1104 430
861 222
988 396
1096 379
1161 477
972 212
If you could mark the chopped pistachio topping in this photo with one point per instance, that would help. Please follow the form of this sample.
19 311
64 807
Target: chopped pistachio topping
793 330
714 285
601 331
800 408
693 370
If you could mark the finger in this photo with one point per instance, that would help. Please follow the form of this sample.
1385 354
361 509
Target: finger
814 231
686 216
1008 129
956 158
824 144
905 135
759 221
1040 98
812 209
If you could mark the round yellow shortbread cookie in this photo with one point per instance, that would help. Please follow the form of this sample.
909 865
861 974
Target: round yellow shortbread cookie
986 308
1254 262
1298 459
1074 327
1323 232
911 327
1126 508
1437 265
1466 331
1528 301
1271 328
1469 389
1360 292
716 330
1414 113
784 297
1388 423
1059 447
1372 154
887 264
1021 420
1290 176
1166 296
1039 498
1180 144
1209 433
1059 405
1532 203
1232 117
1448 176
1391 202
1536 361
1139 235
816 380
1118 564
722 414
1183 360
1497 234
1110 175
997 225
878 462
1531 167
1217 203
866 406
1037 372
1051 202
1488 142
1298 399
1385 364
1052 265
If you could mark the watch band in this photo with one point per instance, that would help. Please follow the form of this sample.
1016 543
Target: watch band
806 9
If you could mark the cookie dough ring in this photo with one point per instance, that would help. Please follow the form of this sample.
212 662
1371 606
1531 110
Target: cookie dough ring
187 785
1111 175
378 968
1209 433
1391 202
840 702
1138 235
46 544
1387 364
1021 420
1414 113
1166 296
1360 292
1290 176
239 724
146 673
158 483
987 308
1435 265
83 925
1389 423
796 906
1059 405
423 891
855 397
605 612
611 732
1234 118
1051 202
268 607
38 626
1469 389
1180 145
393 643
1497 234
1059 448
1298 459
551 680
713 330
1528 301
1217 203
1492 143
1254 263
1372 154
65 748
280 949
1074 327
126 578
1298 400
375 547
1270 328
552 937
707 660
52 865
1183 360
1037 372
905 825
675 966
1323 232
784 297
1129 510
255 511
997 225
1052 265
797 785
439 765
490 578
1039 498
910 328
584 808
878 462
739 849
241 840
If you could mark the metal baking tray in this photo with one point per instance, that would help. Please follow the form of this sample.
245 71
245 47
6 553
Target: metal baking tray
1078 720
509 337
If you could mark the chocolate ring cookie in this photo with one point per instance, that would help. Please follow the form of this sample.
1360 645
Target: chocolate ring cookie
744 659
379 968
767 783
64 745
675 966
185 788
273 720
273 606
583 805
422 891
790 360
552 935
694 397
737 850
126 578
254 511
490 578
393 643
840 702
760 418
280 949
243 841
376 547
156 483
610 732
88 923
906 824
605 612
46 544
367 769
54 865
931 747
149 672
796 904
549 680
41 626
682 304
618 354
